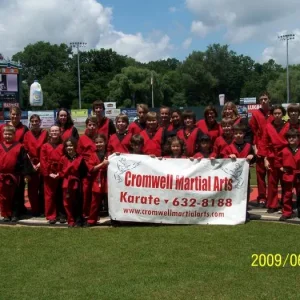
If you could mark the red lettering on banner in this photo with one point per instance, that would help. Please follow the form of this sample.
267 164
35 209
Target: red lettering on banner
124 197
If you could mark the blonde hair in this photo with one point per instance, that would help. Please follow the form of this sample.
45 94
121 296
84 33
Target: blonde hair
151 115
9 128
231 105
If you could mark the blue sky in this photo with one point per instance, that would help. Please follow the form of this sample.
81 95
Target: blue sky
157 29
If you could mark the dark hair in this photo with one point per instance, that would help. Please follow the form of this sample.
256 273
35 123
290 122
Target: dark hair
101 136
167 147
98 103
16 109
293 107
292 132
35 116
274 107
208 109
92 119
69 122
203 138
122 117
264 93
73 142
239 127
189 114
136 139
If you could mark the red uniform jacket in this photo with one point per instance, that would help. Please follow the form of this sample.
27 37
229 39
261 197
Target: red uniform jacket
258 122
291 162
273 142
99 178
171 156
106 127
20 132
69 132
202 155
72 171
213 132
240 151
289 126
172 131
136 127
152 144
85 146
119 143
50 158
220 144
33 144
191 141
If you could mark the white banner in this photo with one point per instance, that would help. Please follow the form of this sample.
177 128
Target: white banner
47 117
177 191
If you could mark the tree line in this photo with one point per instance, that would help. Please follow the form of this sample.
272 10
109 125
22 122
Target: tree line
107 75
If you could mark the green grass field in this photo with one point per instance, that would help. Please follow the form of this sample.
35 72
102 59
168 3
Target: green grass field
155 262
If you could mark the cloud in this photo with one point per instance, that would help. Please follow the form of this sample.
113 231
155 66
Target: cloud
199 28
173 9
64 21
187 43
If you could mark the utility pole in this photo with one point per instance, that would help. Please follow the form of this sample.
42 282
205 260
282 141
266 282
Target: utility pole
78 45
287 37
152 90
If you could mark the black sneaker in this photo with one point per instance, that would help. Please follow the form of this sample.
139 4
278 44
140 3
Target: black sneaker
6 219
52 222
14 219
284 218
272 210
62 220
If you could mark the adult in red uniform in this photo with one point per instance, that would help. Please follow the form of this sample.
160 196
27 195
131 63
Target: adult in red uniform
12 165
85 147
260 118
154 136
34 139
120 141
73 170
139 125
209 124
66 125
190 134
289 159
225 139
50 165
97 166
273 142
104 124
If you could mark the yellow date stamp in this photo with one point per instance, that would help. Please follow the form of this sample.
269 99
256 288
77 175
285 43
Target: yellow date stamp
277 260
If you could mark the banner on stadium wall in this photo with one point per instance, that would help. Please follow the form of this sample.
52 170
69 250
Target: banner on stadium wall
109 105
79 116
251 108
145 189
130 112
47 117
242 110
111 113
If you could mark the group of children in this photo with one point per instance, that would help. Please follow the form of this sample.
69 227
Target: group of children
66 174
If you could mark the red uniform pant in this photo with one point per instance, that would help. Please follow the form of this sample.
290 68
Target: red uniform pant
7 193
53 199
274 177
287 208
87 195
261 174
94 210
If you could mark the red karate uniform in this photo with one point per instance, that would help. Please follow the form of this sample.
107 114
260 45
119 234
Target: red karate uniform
69 132
136 127
220 144
213 132
153 141
33 144
191 140
119 143
106 127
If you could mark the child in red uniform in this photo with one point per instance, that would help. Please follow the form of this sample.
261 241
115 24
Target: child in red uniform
225 139
104 125
289 159
33 142
175 148
50 165
139 125
239 148
97 166
190 134
176 122
66 125
205 148
85 147
154 136
73 170
120 141
136 144
273 142
164 117
12 165
260 118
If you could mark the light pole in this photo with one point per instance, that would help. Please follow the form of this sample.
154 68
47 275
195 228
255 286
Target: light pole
78 45
287 37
